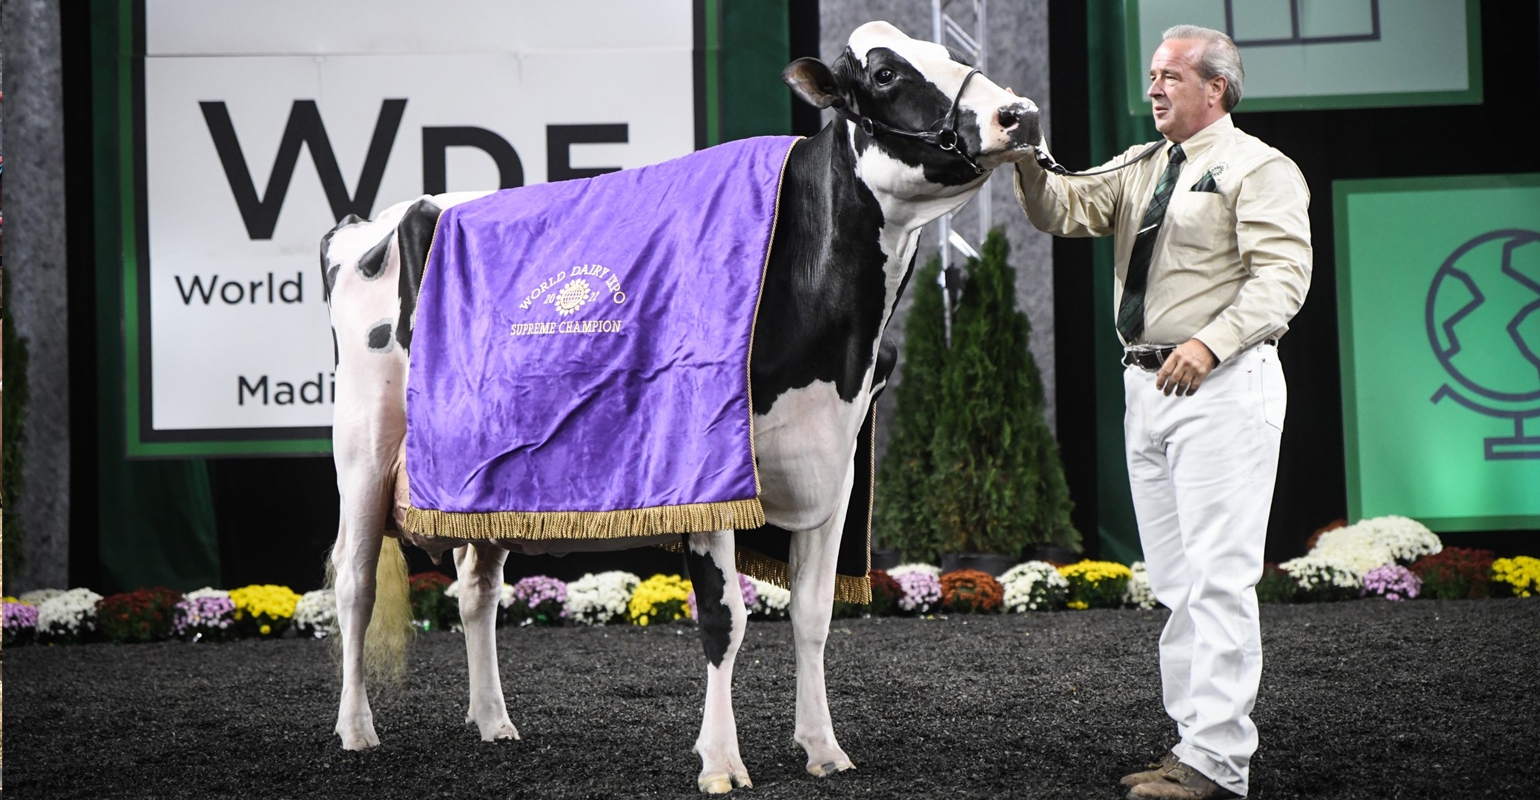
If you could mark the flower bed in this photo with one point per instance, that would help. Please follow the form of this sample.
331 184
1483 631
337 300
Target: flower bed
1411 563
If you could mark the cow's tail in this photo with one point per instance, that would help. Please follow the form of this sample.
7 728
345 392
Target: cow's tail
390 624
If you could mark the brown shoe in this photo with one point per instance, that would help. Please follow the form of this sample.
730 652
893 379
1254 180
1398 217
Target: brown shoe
1181 782
1157 770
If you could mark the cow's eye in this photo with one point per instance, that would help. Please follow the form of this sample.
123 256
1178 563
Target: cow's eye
885 77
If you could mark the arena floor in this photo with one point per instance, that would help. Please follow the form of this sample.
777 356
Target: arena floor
1366 699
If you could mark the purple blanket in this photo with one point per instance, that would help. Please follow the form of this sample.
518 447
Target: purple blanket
580 357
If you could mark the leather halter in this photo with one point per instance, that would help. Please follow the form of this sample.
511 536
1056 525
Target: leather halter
942 133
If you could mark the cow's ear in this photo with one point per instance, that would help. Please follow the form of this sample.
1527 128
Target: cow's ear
813 81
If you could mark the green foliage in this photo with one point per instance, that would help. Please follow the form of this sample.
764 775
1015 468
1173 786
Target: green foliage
902 516
972 466
15 400
1276 586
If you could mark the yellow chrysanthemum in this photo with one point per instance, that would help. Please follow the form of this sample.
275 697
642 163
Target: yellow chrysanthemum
273 602
660 595
1078 605
1521 573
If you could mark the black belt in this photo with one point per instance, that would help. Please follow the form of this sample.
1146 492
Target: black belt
1152 359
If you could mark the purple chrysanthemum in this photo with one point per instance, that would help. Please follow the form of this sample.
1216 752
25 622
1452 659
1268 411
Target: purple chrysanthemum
1392 582
203 614
922 591
537 589
19 617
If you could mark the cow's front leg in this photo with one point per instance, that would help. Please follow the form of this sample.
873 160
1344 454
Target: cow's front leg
722 619
813 557
480 566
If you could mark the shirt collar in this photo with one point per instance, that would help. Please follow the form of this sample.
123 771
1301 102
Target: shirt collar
1200 142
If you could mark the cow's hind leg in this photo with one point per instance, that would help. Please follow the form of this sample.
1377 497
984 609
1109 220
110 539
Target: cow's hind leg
813 557
480 566
722 617
363 467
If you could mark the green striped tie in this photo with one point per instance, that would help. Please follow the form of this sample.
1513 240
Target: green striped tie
1131 310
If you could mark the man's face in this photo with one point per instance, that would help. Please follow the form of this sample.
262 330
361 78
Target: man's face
1183 102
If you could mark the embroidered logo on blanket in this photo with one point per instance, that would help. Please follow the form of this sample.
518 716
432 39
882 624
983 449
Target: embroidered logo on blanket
575 292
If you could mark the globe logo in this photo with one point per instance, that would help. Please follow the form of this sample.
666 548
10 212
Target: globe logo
1483 319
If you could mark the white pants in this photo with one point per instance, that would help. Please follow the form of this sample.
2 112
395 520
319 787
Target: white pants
1202 469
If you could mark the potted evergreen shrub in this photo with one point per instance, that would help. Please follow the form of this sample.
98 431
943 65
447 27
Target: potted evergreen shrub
972 469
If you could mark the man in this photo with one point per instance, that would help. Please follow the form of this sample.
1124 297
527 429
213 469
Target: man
1212 242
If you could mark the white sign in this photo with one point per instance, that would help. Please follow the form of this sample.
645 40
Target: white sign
265 123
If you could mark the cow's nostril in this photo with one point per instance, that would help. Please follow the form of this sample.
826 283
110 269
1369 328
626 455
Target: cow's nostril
1008 118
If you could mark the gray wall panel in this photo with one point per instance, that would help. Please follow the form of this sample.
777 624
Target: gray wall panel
38 303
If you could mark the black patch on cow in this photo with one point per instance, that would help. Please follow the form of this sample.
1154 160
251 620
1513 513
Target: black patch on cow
379 337
329 269
716 620
372 263
822 306
336 350
415 235
887 358
910 101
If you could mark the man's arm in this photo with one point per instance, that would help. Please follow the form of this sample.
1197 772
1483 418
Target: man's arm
1272 230
1070 205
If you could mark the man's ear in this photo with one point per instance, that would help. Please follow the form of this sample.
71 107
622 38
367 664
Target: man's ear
813 81
1222 83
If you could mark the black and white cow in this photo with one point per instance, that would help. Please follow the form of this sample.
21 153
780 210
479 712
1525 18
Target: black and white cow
853 202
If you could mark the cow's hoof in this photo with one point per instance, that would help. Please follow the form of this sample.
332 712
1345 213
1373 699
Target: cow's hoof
722 783
502 731
830 768
358 738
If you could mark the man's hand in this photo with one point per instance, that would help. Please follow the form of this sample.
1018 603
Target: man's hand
1186 368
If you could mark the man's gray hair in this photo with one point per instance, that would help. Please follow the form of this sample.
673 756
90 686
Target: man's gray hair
1220 59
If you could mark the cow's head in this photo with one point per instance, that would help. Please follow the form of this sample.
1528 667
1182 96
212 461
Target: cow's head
892 87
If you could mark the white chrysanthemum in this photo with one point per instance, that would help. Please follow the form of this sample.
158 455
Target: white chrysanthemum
1033 586
597 599
316 612
1376 542
69 614
1138 594
504 599
1396 539
38 597
1318 571
905 569
206 592
774 602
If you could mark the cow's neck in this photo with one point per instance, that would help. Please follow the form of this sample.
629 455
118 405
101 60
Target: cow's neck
844 247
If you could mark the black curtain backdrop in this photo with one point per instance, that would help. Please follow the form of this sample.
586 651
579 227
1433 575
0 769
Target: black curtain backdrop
1496 137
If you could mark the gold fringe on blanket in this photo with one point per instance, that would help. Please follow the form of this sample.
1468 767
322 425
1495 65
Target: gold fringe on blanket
541 525
847 589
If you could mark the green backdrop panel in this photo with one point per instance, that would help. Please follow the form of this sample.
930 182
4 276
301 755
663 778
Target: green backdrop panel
1439 301
1328 53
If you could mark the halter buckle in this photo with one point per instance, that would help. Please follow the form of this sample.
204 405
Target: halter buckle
946 139
868 126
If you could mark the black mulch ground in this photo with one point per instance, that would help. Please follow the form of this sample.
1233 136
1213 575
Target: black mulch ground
1366 699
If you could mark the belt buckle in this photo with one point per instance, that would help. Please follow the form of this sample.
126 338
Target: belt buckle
1149 359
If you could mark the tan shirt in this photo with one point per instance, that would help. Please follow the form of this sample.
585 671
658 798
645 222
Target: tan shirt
1230 268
